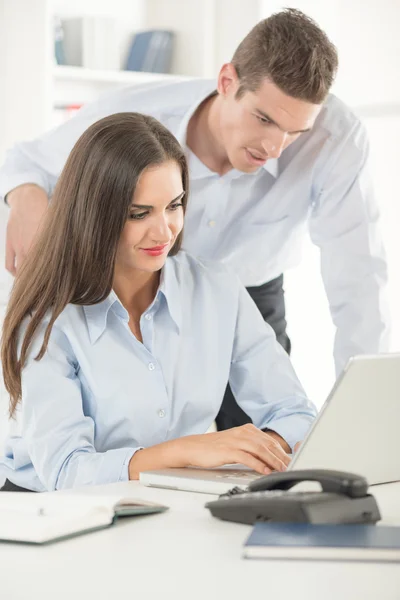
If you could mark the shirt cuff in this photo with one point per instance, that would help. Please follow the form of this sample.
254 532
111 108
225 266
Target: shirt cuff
293 429
124 473
115 466
96 468
10 182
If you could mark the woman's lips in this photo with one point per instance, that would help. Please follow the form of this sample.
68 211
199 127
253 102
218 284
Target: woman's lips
155 250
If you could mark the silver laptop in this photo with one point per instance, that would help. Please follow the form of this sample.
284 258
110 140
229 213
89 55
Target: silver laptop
357 430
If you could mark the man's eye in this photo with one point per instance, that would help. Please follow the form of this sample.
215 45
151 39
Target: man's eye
175 205
263 120
137 216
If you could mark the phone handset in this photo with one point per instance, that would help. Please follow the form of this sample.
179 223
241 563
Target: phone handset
337 482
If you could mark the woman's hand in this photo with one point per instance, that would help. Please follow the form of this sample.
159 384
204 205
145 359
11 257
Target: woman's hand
246 445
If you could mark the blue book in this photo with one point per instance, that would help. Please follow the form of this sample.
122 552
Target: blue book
305 541
59 41
151 51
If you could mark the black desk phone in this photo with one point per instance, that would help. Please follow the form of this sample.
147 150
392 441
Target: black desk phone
343 499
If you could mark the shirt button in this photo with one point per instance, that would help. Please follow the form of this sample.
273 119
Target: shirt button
161 413
148 317
151 367
211 223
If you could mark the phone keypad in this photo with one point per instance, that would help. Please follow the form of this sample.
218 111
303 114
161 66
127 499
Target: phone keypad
262 494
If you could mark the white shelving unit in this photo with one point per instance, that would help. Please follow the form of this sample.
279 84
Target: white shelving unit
207 31
31 85
98 76
25 69
78 85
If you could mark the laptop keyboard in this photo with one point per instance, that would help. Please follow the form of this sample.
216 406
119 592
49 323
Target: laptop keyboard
248 475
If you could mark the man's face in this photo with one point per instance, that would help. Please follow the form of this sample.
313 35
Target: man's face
261 124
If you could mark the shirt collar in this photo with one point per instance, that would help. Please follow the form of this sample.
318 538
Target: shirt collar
198 170
272 167
96 314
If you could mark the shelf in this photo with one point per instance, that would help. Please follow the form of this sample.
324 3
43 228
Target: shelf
81 74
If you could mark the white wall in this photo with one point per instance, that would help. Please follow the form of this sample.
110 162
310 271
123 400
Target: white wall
25 97
233 22
365 33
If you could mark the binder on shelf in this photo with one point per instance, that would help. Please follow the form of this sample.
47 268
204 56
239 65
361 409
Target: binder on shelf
91 42
63 112
59 54
151 51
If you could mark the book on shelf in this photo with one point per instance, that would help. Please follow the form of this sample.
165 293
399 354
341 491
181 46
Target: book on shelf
40 518
58 41
306 541
63 112
91 42
151 51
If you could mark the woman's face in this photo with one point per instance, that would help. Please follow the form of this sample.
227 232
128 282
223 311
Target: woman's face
154 221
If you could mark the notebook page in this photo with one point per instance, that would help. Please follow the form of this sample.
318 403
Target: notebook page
58 503
54 503
40 528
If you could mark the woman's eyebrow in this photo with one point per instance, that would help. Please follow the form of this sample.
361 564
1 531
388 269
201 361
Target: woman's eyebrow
150 206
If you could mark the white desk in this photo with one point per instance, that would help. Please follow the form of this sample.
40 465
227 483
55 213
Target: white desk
185 554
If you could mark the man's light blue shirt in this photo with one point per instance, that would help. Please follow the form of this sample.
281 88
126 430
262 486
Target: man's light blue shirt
98 394
256 223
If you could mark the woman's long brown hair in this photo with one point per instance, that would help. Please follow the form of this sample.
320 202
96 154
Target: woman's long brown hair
73 259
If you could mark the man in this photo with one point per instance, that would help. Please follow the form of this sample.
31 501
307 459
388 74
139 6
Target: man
271 154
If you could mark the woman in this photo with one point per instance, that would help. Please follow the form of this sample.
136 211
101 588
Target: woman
120 345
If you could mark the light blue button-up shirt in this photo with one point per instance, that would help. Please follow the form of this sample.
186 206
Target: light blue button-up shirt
256 222
99 394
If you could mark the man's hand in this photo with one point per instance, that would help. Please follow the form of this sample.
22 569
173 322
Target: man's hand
296 447
28 204
283 442
246 445
279 439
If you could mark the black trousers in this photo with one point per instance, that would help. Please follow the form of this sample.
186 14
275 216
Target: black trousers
9 486
269 299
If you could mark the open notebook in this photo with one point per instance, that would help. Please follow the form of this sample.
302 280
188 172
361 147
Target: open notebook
49 516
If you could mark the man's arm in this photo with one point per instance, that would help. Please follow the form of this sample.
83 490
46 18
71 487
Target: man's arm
27 180
345 226
39 163
28 204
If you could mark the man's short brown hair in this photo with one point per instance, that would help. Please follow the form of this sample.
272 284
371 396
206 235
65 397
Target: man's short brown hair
291 50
